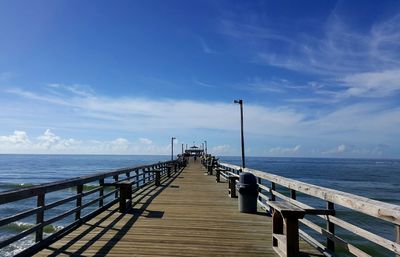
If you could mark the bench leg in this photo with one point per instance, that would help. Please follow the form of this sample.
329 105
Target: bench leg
292 237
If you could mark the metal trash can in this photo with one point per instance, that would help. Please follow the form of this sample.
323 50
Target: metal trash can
248 193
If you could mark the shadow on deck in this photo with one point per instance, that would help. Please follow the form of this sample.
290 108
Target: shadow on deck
188 215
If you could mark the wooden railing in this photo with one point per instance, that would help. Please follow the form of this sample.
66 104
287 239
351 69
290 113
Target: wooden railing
135 177
268 182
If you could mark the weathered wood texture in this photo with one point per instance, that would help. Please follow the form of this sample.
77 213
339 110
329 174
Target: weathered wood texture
188 215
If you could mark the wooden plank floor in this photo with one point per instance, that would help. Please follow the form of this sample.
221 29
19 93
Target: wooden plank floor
189 215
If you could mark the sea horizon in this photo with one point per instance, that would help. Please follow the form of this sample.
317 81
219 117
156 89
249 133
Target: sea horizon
222 156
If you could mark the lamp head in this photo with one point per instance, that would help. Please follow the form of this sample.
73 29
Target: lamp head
238 101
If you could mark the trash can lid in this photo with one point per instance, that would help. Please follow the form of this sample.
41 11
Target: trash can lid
247 178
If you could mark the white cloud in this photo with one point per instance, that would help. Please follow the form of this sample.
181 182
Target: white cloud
17 138
19 142
282 151
356 151
145 141
221 150
370 122
50 143
166 113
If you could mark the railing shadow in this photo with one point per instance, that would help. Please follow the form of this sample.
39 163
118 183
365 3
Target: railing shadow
140 202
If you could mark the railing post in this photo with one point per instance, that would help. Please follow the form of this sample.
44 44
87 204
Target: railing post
293 194
79 190
330 244
157 177
169 171
137 178
209 169
232 186
218 175
116 181
40 217
397 231
272 189
101 192
125 193
259 188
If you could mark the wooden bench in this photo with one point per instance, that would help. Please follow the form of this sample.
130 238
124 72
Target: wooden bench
285 228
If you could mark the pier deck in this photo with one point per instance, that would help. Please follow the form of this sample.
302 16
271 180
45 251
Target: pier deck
188 215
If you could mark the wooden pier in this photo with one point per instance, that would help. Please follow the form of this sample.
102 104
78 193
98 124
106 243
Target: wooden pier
188 215
188 207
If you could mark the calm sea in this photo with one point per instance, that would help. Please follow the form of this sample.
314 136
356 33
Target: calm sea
376 179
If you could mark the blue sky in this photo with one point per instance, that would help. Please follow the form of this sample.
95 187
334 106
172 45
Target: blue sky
318 78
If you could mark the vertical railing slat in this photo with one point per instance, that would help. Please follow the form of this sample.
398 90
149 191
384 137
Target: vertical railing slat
40 217
273 189
330 244
116 181
397 231
79 190
101 192
293 194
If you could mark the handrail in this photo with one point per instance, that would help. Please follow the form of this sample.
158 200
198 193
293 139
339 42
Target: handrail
377 209
141 176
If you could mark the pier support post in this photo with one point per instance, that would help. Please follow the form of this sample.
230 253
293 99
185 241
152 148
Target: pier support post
125 193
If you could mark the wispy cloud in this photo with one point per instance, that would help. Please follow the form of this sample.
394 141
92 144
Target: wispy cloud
7 76
372 84
166 113
204 84
354 123
222 150
285 151
204 46
351 63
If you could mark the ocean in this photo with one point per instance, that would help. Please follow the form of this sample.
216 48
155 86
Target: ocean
375 179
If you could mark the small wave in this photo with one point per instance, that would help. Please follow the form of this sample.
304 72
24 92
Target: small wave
7 186
15 186
24 243
17 247
22 226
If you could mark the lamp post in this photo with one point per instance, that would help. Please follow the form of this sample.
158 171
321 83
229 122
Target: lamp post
240 102
172 148
205 142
